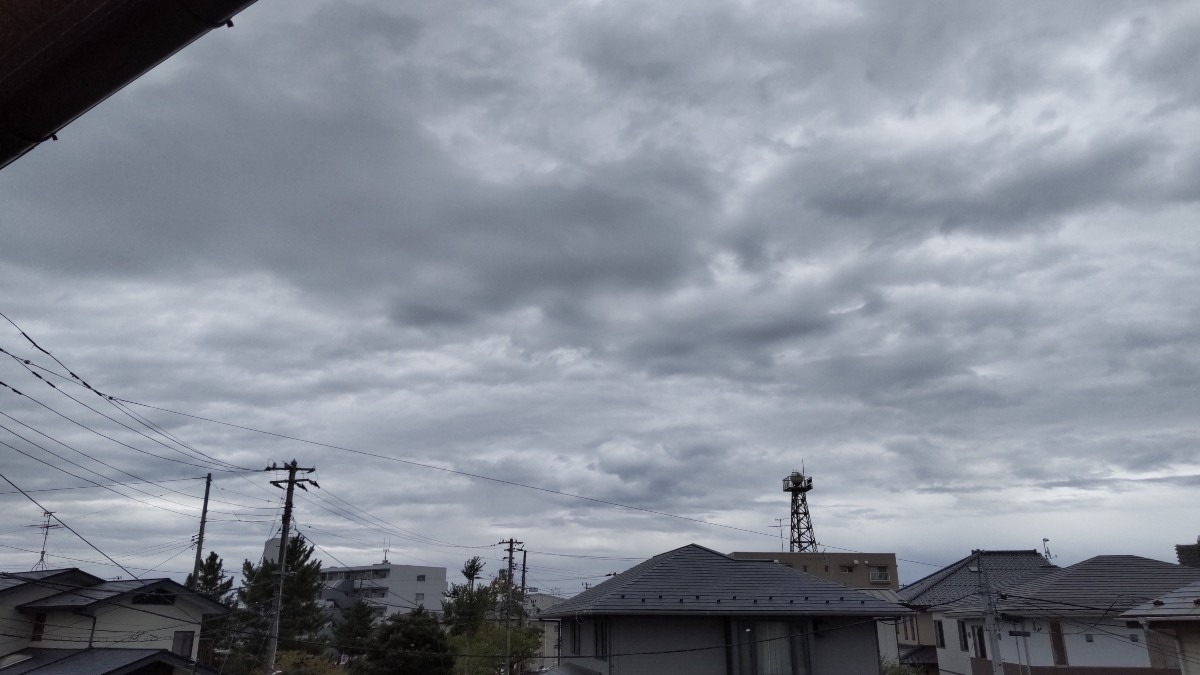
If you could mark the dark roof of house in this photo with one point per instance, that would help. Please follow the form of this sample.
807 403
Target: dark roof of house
106 592
55 579
1181 604
109 661
1103 585
58 58
696 580
956 581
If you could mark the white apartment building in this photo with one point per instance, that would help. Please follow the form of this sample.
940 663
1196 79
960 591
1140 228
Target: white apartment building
391 589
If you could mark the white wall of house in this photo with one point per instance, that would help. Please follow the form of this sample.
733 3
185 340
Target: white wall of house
15 627
127 627
1110 645
1188 636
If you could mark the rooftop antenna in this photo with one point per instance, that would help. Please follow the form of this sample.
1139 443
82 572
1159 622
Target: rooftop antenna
387 546
803 539
1046 550
779 524
45 527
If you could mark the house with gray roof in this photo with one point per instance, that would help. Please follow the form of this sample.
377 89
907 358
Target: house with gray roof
925 640
1072 618
68 622
1176 615
695 611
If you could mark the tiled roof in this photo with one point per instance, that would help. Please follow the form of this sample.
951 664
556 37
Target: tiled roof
78 598
956 581
698 580
1181 604
94 661
1103 585
47 577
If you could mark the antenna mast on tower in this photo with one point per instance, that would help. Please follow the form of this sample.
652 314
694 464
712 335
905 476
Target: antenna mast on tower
803 539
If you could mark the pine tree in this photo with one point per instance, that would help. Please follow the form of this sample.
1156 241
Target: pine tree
407 644
301 615
213 584
352 637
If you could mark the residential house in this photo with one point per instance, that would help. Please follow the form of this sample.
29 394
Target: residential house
1176 615
536 606
1071 617
68 621
694 611
874 573
926 641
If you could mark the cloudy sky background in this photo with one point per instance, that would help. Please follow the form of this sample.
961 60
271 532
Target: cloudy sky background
944 255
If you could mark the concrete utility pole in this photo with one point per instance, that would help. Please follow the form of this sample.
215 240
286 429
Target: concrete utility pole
990 624
200 536
289 485
512 544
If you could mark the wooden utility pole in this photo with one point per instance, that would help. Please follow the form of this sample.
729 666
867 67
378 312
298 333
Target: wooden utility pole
290 486
200 536
990 624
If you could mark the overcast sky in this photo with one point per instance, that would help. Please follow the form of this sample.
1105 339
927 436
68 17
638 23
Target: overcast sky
944 255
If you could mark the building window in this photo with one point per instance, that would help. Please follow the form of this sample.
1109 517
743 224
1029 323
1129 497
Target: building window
980 642
39 627
575 638
182 644
939 634
1088 637
881 574
420 597
846 569
962 637
379 574
1057 645
420 577
769 648
601 634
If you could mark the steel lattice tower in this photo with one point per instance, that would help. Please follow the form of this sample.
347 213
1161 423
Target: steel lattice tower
803 539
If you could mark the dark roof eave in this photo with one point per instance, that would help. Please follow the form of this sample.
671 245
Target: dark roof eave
61 65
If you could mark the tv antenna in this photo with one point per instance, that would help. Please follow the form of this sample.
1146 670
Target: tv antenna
1046 550
45 527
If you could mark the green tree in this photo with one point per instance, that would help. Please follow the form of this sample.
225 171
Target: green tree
483 619
213 584
407 644
301 610
352 636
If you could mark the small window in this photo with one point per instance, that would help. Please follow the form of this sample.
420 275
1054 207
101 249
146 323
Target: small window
182 644
39 627
601 636
420 577
939 634
379 574
420 597
805 568
575 631
845 569
1058 646
962 637
827 569
1088 637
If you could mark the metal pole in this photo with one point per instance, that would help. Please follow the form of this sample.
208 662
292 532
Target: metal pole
989 616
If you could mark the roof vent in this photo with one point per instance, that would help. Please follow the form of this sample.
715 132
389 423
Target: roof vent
1158 603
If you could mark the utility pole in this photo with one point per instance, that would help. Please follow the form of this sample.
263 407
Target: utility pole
521 616
990 624
512 544
200 536
290 486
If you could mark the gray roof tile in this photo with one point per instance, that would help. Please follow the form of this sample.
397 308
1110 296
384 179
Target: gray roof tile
1181 604
955 582
698 580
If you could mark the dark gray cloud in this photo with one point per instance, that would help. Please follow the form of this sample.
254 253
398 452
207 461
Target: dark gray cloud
656 255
